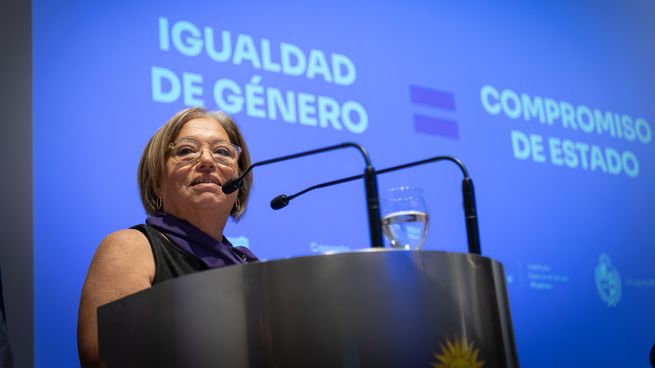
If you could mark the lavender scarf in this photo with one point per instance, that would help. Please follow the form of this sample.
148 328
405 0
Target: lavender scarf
190 239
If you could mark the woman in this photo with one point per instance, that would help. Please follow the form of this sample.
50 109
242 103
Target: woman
181 172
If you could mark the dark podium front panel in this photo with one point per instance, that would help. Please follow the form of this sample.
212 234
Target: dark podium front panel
376 308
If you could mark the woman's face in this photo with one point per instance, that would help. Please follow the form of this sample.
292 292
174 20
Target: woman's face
193 188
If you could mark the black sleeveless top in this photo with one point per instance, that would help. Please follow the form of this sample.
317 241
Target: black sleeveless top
170 260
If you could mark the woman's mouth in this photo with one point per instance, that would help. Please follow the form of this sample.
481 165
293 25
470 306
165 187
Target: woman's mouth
205 181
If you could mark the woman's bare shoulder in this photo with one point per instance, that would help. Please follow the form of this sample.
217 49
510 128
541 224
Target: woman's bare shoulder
128 245
125 254
125 237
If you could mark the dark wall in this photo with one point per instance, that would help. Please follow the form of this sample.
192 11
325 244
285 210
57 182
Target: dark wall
16 246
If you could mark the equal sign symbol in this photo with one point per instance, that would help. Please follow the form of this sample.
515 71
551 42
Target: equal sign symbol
441 101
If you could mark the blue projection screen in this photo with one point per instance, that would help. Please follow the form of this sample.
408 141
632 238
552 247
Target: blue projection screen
551 107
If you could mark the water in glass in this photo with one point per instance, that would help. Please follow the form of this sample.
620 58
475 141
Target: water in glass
405 217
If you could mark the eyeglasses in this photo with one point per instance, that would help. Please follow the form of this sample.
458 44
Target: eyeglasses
188 150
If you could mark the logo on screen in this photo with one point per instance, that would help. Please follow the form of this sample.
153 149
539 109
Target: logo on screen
439 103
608 281
456 354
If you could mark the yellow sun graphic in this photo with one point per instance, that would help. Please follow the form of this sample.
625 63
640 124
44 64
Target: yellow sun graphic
458 354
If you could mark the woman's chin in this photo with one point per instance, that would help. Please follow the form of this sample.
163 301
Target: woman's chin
209 201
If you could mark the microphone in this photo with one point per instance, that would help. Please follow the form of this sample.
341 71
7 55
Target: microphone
468 194
279 202
370 186
232 185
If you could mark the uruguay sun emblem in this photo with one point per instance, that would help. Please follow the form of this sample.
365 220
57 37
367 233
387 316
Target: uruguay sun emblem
457 354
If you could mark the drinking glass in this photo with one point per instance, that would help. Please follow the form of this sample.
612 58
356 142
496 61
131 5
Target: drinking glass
405 217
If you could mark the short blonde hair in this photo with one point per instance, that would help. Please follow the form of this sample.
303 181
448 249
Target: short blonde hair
156 151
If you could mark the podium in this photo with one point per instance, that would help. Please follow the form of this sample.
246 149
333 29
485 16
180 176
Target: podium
370 308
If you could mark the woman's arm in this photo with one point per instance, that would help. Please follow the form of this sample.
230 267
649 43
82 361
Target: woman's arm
123 264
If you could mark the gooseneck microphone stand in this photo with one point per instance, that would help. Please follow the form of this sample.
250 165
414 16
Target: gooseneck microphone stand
468 194
370 185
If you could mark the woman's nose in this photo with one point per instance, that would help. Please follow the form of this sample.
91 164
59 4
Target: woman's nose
206 158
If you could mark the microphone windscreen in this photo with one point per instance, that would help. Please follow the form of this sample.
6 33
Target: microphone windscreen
279 202
231 185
